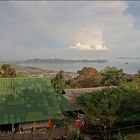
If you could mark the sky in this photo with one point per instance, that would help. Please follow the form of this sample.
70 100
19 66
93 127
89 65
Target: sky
69 29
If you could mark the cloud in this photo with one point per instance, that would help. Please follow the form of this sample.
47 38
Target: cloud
92 40
81 46
100 47
87 47
41 28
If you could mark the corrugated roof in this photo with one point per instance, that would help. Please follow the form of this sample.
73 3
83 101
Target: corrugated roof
71 94
79 91
63 103
27 99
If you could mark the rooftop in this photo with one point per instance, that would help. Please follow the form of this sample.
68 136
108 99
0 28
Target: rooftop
28 99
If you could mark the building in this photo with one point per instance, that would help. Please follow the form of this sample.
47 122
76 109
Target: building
72 94
27 100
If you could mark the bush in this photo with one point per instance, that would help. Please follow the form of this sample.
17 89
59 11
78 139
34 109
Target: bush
75 135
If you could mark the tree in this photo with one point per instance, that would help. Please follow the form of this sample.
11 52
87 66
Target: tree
112 106
130 102
101 107
133 84
7 71
88 77
130 107
59 82
138 73
112 76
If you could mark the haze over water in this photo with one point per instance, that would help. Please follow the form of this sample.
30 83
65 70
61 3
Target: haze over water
128 65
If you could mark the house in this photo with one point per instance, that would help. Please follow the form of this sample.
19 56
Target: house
28 100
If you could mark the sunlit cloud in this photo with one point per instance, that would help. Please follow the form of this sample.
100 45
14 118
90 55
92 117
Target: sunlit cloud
81 46
87 47
90 39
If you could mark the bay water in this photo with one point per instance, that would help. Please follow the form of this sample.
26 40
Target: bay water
130 66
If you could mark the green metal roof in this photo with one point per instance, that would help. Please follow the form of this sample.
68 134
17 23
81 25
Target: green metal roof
63 103
28 99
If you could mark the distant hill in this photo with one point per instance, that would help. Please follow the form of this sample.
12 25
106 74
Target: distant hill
65 61
128 57
57 61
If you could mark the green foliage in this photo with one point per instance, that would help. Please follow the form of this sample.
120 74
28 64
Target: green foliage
138 73
88 77
111 105
135 83
7 71
101 106
75 135
129 109
113 76
59 82
120 136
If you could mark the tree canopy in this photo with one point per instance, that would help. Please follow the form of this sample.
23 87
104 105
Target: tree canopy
101 106
88 77
111 106
112 76
59 82
7 71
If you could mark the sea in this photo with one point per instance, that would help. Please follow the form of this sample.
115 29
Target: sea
130 66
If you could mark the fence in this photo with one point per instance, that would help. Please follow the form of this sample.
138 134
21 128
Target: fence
57 133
